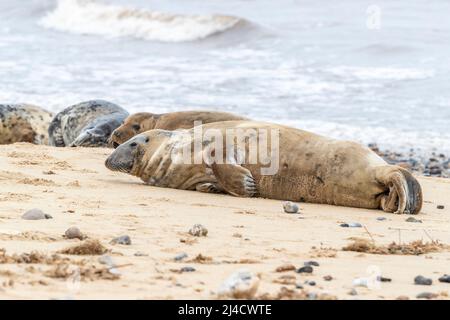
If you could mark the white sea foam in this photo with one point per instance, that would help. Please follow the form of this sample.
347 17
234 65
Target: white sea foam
381 73
95 18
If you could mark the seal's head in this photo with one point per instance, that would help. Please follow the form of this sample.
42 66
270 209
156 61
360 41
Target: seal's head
133 125
97 133
127 156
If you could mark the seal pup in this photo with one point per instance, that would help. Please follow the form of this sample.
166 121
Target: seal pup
310 167
23 123
144 121
87 124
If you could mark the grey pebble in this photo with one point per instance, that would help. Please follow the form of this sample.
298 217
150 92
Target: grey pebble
383 279
440 207
445 278
125 240
412 219
198 230
35 214
351 225
305 269
187 269
328 278
290 207
311 283
421 280
180 256
74 233
311 263
381 218
106 260
353 292
426 295
299 286
141 254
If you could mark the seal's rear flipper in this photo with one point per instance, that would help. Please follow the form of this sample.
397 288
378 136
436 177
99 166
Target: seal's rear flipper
235 180
405 193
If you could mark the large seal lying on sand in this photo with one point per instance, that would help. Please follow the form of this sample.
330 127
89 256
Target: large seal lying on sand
23 123
144 121
87 124
311 168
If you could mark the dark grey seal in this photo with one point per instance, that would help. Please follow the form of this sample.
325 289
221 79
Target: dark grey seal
87 124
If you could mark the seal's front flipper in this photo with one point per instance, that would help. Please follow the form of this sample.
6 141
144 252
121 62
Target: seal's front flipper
208 188
235 180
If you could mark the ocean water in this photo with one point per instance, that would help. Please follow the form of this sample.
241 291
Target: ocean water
373 71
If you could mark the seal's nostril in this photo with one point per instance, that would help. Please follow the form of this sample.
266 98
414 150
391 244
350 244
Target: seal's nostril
115 145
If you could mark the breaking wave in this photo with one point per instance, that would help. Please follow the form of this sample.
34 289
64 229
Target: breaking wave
95 18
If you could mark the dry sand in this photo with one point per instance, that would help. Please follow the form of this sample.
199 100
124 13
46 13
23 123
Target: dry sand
75 188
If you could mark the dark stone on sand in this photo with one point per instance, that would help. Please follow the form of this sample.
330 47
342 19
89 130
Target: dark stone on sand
311 283
445 278
299 286
383 279
141 254
351 225
412 219
421 280
35 214
381 218
125 240
290 207
311 263
328 278
180 256
440 207
305 269
426 295
187 269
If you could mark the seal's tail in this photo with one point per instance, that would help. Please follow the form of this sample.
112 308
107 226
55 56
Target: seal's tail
404 194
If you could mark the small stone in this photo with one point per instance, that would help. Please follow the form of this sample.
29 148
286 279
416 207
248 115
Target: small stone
381 218
412 219
328 278
299 286
198 231
420 280
311 263
180 256
290 207
311 283
125 240
353 292
240 285
187 269
141 254
35 214
426 295
351 225
305 269
383 279
285 267
74 233
105 259
440 207
445 278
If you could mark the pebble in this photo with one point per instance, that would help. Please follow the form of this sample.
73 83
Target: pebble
412 219
141 254
35 214
381 218
383 279
420 280
440 207
353 292
305 269
187 269
125 240
74 233
299 286
290 207
445 278
426 295
328 278
240 285
106 260
311 263
198 230
311 283
351 225
180 256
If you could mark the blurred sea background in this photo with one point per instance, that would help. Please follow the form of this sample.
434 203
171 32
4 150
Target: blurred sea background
374 72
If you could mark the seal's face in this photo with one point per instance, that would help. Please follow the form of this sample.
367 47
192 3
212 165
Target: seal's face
98 133
128 154
133 125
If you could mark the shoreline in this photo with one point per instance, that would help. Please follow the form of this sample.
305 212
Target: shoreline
73 186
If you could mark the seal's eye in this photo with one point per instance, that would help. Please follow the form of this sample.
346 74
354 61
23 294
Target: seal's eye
136 127
133 144
147 140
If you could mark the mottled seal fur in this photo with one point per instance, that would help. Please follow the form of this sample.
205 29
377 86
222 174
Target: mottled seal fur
144 121
87 124
23 123
312 168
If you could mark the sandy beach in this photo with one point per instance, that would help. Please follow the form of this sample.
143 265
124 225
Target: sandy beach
73 186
